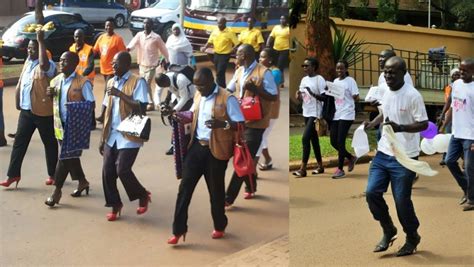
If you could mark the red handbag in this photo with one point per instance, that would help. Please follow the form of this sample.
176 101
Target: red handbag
243 161
251 108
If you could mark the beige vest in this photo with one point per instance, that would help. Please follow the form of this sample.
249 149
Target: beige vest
221 143
125 110
259 73
41 104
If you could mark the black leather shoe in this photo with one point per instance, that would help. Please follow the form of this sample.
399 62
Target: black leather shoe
410 245
469 206
170 151
463 200
389 236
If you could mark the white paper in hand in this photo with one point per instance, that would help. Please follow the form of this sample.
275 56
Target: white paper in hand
360 142
335 90
375 93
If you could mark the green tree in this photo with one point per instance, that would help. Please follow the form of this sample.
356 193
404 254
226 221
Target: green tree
318 39
387 10
455 14
339 8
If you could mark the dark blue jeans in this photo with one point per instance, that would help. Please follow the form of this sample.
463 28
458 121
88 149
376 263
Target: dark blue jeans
465 179
384 170
2 123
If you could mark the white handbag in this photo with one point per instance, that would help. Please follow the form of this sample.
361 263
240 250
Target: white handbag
136 125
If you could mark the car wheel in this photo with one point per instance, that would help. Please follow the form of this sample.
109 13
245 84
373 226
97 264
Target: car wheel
119 21
166 32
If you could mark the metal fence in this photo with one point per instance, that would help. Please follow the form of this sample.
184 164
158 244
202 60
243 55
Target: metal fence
428 70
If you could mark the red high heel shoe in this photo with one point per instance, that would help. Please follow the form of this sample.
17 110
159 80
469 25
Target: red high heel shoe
49 181
217 234
142 209
174 239
116 211
9 181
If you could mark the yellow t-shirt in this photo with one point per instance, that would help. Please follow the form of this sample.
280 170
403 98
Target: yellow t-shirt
281 38
252 37
223 41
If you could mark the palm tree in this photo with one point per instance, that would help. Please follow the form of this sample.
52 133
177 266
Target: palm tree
318 40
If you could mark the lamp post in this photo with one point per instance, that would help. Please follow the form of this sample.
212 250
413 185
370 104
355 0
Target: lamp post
181 18
429 13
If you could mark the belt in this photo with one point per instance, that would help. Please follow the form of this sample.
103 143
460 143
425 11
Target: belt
203 142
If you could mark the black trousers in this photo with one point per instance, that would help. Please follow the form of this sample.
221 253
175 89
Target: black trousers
65 167
118 163
338 135
221 61
27 124
282 59
310 137
199 161
254 139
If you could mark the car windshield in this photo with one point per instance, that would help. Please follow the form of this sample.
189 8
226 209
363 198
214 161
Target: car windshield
224 6
166 4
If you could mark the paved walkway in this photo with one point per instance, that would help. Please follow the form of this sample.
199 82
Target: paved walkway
273 253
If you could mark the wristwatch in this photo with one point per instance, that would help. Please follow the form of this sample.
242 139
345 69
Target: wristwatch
227 125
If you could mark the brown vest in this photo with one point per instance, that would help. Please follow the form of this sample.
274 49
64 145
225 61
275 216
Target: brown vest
259 73
41 104
221 143
125 110
74 92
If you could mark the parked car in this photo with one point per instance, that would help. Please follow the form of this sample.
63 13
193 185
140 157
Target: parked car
94 11
15 44
163 13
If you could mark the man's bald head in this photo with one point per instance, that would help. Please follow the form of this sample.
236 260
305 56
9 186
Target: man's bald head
384 56
394 72
466 69
245 55
121 63
79 37
203 80
68 62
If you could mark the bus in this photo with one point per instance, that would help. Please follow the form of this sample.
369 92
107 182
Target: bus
201 16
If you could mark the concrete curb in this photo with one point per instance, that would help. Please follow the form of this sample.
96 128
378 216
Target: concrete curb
328 162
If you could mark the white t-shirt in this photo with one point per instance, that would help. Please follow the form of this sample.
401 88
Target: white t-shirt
406 78
311 106
404 106
345 107
462 106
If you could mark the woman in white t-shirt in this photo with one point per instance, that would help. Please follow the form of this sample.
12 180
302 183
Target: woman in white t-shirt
311 88
344 117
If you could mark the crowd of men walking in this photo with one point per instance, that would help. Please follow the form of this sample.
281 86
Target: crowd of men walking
61 106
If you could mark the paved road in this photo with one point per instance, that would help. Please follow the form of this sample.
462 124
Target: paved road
77 232
331 223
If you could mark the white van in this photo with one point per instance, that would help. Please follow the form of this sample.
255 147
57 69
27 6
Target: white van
94 11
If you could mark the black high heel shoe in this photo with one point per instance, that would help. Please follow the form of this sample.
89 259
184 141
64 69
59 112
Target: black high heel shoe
387 240
80 188
53 199
410 245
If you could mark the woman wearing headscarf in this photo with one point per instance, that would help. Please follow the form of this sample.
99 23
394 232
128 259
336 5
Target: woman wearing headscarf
179 48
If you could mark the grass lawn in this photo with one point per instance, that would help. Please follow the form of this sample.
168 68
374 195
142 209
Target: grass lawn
327 150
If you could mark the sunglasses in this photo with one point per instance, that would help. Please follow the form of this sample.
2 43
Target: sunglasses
304 65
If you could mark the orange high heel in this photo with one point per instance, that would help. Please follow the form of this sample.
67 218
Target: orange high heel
9 181
116 211
142 209
174 239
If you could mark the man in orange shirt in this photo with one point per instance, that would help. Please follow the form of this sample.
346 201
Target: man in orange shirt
107 45
86 62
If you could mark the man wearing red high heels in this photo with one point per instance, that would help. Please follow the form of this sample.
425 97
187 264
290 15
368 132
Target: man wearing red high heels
126 93
36 111
216 114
